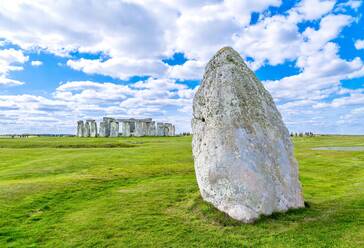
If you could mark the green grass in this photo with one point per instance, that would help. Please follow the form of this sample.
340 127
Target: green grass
142 192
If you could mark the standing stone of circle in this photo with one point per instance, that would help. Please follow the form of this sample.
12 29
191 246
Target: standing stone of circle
93 128
168 129
107 121
80 128
243 154
160 129
86 129
126 129
173 132
152 130
114 129
103 129
138 128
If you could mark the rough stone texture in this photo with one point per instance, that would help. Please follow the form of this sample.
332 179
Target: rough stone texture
243 154
107 121
114 129
80 128
102 129
86 130
152 129
129 127
173 132
126 129
138 129
169 129
93 128
160 129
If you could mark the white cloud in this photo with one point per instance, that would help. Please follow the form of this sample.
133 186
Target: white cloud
353 4
160 98
320 76
191 69
11 60
122 68
36 63
330 27
9 82
314 9
359 44
273 40
135 36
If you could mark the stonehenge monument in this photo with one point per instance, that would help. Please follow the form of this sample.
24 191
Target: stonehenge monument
111 127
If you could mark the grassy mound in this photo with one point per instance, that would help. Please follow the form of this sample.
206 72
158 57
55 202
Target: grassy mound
72 192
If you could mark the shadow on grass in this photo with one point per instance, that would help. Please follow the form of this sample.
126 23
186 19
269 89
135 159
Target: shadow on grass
211 214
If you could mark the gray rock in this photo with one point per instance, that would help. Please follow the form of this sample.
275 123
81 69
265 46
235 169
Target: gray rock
93 128
126 128
86 129
80 129
103 129
243 154
114 129
107 121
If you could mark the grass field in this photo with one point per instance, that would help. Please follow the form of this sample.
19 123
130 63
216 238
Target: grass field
142 192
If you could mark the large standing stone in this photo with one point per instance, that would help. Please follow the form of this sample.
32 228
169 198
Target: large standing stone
103 129
243 154
138 128
93 128
114 129
160 129
107 121
126 129
86 131
152 130
173 130
80 129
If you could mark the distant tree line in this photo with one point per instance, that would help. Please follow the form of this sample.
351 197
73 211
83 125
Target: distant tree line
185 134
305 134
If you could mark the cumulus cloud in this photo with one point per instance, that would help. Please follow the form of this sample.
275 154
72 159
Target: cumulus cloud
135 37
359 44
314 9
36 63
191 69
11 60
122 68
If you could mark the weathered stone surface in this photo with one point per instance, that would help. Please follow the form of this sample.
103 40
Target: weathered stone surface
129 127
152 129
243 154
80 128
173 132
114 129
107 121
103 129
93 128
86 129
160 129
138 132
126 128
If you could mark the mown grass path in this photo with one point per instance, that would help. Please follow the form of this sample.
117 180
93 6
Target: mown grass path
141 192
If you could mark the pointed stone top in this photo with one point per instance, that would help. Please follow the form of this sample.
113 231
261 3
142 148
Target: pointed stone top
226 55
226 49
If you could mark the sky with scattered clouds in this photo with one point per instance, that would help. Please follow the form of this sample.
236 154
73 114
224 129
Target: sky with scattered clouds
61 61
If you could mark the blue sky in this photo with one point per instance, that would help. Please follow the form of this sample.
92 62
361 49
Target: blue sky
61 61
